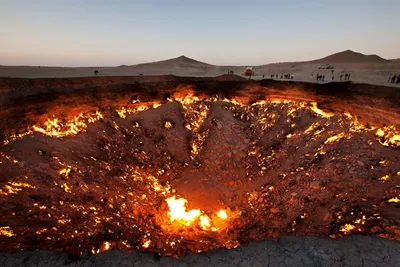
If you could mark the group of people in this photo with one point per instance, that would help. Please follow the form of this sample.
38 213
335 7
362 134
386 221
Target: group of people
321 77
346 76
283 76
394 78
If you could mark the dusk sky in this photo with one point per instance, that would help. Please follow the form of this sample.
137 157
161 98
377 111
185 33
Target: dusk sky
222 32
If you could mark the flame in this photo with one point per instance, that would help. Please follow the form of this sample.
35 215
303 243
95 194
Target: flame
335 138
55 128
65 171
314 107
14 188
178 211
394 200
146 243
6 231
347 228
388 136
205 222
222 214
384 178
180 216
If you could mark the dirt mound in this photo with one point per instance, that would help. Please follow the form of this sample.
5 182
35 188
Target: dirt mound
349 56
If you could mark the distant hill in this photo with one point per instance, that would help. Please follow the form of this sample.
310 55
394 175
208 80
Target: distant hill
349 56
178 62
396 60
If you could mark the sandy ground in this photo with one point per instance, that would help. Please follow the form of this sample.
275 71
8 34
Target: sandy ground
363 72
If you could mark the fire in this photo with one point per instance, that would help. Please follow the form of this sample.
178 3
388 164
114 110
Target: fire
347 228
205 222
14 188
388 136
222 214
178 211
394 200
180 216
314 107
146 244
65 171
6 231
335 138
55 128
384 178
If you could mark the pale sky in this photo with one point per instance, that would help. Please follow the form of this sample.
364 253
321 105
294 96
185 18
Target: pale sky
222 32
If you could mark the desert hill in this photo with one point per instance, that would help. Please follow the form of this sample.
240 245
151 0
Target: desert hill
349 56
178 61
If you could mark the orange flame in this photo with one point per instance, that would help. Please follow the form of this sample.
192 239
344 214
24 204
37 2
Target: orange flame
178 211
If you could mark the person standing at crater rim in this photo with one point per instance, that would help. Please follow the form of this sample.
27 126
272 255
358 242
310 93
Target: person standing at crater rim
389 78
394 77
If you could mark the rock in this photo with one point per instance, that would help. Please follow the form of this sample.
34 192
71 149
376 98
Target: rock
360 163
275 210
328 217
375 229
315 185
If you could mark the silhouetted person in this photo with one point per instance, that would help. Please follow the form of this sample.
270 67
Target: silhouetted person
390 78
323 77
332 72
333 77
263 76
348 76
394 77
341 75
96 72
398 79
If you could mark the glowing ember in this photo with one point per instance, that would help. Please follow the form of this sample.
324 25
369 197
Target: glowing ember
168 124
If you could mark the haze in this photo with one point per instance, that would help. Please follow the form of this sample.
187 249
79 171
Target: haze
110 33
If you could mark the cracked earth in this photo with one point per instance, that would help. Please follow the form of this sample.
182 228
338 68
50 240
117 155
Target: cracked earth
365 251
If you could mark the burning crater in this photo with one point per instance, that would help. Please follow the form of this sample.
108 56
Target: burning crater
191 174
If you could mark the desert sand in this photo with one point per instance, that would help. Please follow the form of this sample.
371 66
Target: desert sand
363 69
